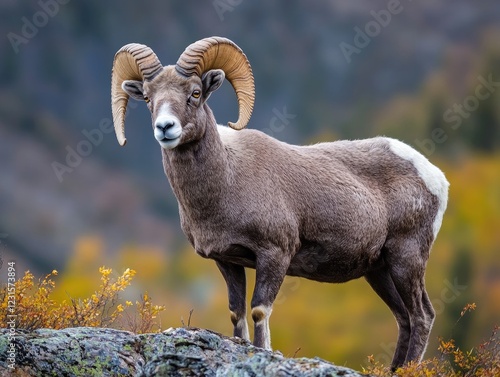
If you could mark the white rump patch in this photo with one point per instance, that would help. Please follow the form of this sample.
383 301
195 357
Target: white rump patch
433 178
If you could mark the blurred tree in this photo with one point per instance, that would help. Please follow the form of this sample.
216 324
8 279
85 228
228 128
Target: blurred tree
461 275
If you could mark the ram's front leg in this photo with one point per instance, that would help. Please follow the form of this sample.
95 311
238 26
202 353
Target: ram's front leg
270 272
236 287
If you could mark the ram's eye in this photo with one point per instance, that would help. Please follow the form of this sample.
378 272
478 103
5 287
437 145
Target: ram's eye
196 94
147 99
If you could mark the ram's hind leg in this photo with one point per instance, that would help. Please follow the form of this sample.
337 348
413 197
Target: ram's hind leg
429 310
236 287
406 264
382 284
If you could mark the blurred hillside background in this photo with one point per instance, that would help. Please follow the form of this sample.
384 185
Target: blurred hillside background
425 72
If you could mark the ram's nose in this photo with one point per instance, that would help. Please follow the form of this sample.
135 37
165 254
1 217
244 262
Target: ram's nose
164 124
167 128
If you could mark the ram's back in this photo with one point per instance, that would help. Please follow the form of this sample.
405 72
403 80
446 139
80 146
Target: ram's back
358 189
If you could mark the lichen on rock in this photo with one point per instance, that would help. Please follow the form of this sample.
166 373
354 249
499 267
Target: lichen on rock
103 352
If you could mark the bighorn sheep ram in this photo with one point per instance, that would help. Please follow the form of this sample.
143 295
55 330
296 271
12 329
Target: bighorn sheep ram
329 212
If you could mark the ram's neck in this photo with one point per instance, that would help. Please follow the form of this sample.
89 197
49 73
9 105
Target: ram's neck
198 173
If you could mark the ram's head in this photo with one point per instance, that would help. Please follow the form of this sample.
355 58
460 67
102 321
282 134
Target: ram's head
176 94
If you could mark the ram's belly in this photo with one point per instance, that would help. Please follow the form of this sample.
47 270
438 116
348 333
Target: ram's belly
332 264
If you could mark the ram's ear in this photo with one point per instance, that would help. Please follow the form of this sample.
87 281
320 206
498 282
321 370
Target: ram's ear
211 81
134 89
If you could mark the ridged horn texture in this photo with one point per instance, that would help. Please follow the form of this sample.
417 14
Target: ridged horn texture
222 53
132 62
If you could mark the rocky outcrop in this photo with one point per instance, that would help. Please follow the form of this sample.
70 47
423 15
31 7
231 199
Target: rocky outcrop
175 352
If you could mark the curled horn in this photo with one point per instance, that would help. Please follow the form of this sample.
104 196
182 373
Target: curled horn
221 53
132 62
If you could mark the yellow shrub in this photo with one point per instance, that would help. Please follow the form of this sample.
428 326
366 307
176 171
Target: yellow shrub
481 361
35 307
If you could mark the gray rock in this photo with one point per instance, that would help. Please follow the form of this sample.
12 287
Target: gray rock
102 352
